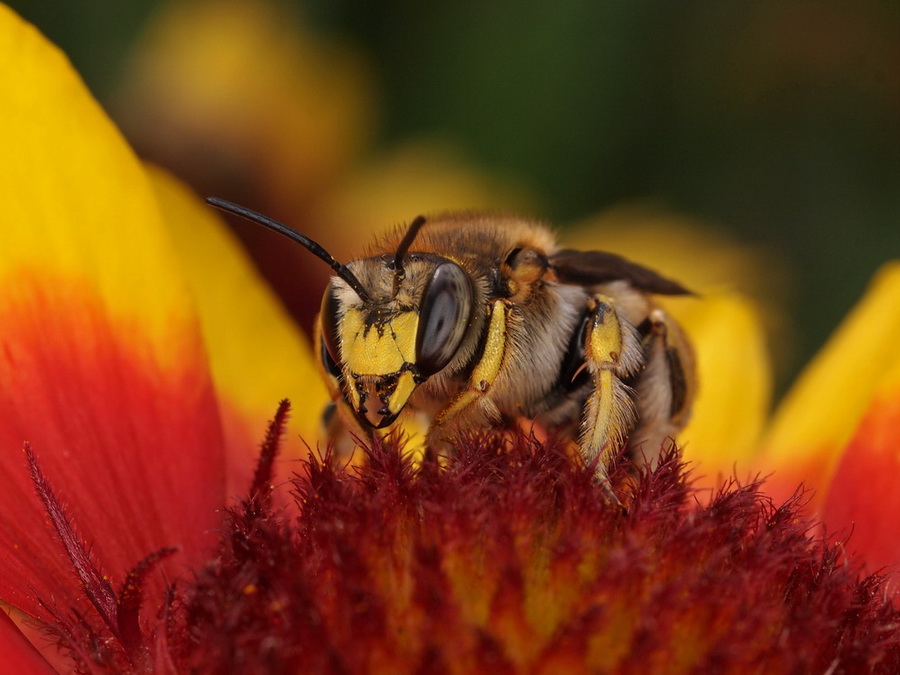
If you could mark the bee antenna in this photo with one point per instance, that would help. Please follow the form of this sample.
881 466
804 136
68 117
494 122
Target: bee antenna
405 243
341 270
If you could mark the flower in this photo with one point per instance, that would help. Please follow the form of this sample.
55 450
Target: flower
136 357
509 559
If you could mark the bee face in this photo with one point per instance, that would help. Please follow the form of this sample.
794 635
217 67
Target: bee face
409 328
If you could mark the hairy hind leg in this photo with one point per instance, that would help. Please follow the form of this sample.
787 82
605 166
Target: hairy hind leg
664 389
612 353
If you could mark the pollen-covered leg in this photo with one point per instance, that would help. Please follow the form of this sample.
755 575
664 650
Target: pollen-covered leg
665 388
612 353
483 375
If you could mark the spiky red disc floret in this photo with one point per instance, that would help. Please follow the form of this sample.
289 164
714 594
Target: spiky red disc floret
509 559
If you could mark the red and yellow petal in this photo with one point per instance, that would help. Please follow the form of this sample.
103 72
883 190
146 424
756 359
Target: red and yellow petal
863 497
102 367
257 354
822 412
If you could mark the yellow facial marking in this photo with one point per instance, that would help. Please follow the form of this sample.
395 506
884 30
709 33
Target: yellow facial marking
405 387
368 349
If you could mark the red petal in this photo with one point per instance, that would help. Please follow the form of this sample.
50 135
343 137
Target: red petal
132 448
19 655
863 495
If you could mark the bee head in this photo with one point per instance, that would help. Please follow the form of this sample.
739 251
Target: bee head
387 323
409 328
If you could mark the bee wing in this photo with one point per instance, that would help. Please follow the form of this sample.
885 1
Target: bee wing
589 268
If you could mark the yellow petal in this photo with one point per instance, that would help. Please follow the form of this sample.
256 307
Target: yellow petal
257 354
75 199
734 383
819 415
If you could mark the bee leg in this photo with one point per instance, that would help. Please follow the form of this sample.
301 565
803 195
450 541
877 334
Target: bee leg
483 375
612 353
664 389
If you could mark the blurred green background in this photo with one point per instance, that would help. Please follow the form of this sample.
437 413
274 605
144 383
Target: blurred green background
776 119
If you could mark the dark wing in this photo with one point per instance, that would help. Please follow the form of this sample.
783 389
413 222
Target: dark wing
588 268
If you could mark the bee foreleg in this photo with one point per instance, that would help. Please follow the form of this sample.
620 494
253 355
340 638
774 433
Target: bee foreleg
483 374
665 388
612 353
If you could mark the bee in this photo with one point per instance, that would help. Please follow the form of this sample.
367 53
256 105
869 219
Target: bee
478 320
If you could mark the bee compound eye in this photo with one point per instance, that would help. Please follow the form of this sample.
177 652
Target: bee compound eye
328 324
331 366
443 317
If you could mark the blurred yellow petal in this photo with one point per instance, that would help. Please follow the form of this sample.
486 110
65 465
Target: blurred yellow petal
735 383
819 415
418 178
257 354
279 110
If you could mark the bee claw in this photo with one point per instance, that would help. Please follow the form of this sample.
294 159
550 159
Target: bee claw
611 498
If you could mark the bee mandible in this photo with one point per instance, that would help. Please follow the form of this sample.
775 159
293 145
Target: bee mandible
477 320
